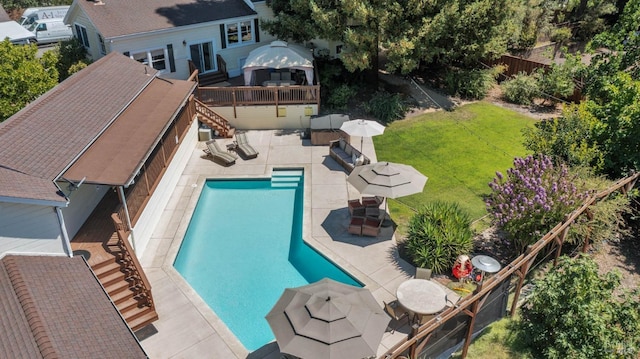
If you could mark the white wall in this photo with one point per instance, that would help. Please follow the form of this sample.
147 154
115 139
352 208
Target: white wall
29 229
265 117
81 203
153 210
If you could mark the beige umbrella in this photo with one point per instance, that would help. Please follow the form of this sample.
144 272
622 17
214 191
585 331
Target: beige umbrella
328 319
362 128
387 179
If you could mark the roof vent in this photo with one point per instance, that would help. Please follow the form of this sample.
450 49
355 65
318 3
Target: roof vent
98 2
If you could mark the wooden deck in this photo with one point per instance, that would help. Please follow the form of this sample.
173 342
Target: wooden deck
97 231
110 264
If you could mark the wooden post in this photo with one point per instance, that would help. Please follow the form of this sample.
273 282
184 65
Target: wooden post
560 241
522 273
585 245
233 97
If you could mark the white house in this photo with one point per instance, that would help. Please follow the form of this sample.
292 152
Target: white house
167 33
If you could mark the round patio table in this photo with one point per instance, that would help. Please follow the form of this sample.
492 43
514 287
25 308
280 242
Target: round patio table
421 296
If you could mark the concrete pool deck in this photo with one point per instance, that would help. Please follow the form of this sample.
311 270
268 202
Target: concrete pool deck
187 328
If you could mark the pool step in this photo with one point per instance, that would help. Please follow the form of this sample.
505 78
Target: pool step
286 173
286 178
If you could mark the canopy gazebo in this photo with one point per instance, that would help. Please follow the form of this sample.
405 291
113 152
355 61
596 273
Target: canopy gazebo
278 55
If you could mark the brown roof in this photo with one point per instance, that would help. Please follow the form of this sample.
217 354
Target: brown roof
118 154
125 17
45 138
54 307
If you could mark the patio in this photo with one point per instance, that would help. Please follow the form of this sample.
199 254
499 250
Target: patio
187 327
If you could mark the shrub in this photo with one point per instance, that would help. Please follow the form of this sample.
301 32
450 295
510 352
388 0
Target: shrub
472 84
437 234
574 313
534 196
608 215
386 107
521 90
340 96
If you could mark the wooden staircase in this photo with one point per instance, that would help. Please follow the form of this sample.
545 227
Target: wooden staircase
211 78
213 120
119 284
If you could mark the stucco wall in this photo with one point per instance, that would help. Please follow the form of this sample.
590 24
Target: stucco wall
151 215
265 118
29 229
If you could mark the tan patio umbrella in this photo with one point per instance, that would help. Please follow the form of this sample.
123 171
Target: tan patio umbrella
387 179
362 128
328 319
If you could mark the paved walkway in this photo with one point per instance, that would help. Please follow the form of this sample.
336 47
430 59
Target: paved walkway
187 328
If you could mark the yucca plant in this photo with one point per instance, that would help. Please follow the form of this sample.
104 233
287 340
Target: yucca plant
437 234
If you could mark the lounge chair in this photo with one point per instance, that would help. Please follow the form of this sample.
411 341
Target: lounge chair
222 157
244 148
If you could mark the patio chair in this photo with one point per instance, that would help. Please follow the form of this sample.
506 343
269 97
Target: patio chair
244 148
423 273
371 227
355 226
218 155
356 209
374 201
285 76
397 314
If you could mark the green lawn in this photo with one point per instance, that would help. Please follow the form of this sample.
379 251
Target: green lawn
459 151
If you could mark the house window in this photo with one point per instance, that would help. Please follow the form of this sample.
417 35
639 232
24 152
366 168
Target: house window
239 32
156 58
81 34
103 48
203 56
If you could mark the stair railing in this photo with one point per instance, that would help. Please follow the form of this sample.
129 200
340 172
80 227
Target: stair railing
212 119
140 284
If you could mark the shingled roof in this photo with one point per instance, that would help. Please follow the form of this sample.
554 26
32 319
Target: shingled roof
54 307
47 137
125 17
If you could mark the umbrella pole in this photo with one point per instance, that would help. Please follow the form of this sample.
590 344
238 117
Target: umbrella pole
361 142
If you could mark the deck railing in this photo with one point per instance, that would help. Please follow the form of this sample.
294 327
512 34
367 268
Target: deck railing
139 283
551 242
259 95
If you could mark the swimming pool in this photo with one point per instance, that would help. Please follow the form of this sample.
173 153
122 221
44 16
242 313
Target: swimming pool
244 246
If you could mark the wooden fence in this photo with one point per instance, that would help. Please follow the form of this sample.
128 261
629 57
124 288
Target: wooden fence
515 65
419 338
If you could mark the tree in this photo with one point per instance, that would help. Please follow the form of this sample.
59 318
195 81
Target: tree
623 44
617 131
574 313
24 76
567 139
534 196
355 23
71 55
450 32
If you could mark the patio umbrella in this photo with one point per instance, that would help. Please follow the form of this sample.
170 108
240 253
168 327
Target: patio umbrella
387 179
362 128
328 319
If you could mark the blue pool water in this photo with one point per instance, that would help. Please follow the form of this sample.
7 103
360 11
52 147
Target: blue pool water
244 246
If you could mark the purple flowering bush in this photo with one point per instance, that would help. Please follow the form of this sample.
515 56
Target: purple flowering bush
534 196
